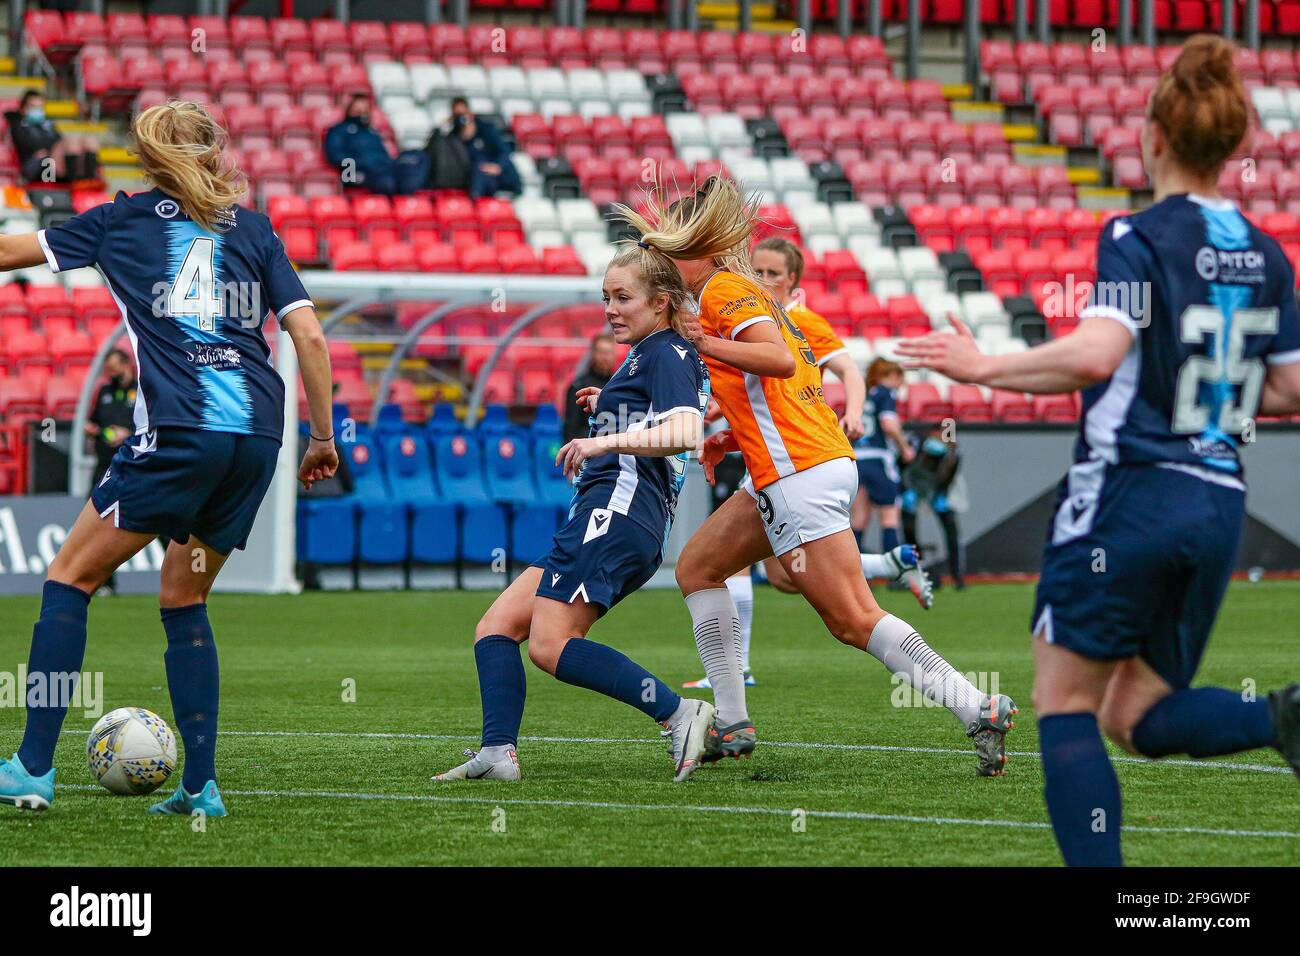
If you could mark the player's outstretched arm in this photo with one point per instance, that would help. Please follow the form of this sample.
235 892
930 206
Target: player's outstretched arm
1088 355
19 252
321 459
672 436
1281 395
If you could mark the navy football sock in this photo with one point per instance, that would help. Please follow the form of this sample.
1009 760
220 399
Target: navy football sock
195 686
888 539
502 686
1081 790
1204 722
58 648
598 667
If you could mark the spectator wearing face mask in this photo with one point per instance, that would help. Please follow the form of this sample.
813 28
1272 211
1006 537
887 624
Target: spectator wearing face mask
112 419
45 154
491 170
363 158
929 479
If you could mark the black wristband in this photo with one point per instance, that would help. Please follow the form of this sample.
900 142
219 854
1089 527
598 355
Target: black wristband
314 438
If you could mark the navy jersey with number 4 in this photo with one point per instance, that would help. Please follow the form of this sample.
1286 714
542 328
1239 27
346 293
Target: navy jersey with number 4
662 376
1210 301
194 302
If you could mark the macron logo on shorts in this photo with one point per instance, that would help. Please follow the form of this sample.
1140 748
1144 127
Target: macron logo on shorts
597 524
555 579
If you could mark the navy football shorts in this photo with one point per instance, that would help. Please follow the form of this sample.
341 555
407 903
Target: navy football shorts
600 556
178 482
879 476
1141 560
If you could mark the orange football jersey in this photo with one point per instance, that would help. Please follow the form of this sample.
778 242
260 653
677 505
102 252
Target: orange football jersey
782 425
823 341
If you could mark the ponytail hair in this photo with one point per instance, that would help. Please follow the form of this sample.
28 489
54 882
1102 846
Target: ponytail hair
715 223
181 148
659 276
1200 105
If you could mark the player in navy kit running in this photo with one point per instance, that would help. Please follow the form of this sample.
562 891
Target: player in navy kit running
878 479
194 275
1192 330
645 421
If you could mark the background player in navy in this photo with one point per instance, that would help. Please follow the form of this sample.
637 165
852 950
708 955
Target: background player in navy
1150 515
878 479
645 422
194 275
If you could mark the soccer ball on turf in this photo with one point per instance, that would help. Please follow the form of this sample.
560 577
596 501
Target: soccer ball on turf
131 751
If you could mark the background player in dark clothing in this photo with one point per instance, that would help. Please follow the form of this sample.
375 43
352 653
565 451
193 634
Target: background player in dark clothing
927 480
112 420
600 366
37 141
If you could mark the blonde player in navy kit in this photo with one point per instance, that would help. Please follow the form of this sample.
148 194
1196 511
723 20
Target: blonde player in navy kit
628 472
194 275
1192 331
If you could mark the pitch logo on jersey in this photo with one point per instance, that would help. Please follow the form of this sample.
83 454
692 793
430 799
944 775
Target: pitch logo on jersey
598 524
167 208
1236 266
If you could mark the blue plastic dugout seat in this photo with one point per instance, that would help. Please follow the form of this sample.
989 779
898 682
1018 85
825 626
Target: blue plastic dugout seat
532 530
507 467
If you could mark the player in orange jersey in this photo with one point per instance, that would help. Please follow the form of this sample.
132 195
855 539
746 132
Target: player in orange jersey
802 478
778 264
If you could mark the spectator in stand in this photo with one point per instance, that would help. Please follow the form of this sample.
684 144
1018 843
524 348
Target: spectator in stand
112 420
491 170
45 154
363 158
601 364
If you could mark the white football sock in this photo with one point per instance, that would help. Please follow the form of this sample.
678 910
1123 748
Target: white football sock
879 566
742 592
717 638
898 646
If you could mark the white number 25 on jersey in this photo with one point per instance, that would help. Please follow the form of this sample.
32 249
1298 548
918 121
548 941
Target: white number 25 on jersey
194 291
1227 364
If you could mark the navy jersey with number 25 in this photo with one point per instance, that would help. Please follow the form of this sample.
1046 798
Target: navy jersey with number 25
194 302
1210 302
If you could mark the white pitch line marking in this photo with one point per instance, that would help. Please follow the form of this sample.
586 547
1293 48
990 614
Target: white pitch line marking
793 744
701 808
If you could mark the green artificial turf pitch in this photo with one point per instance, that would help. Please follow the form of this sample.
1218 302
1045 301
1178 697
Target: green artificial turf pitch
312 779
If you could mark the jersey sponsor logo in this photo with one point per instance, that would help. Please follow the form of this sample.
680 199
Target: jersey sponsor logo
218 357
167 208
735 305
1230 265
810 394
598 524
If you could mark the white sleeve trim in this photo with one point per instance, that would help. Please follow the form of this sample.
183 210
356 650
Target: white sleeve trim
830 355
49 253
893 415
1284 358
1110 312
678 410
748 322
300 303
